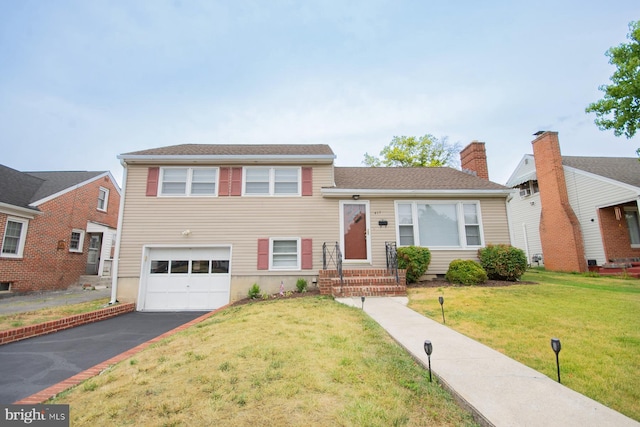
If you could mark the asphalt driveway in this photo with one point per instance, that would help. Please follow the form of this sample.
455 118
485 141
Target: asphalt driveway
29 366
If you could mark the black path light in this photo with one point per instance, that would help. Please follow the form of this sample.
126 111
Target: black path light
362 299
428 348
441 301
556 346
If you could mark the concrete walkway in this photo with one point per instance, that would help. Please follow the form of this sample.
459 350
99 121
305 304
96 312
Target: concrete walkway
497 389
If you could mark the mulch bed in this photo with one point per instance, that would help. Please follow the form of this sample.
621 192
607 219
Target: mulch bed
438 283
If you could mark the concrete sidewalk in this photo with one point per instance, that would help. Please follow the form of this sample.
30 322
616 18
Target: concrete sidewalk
497 389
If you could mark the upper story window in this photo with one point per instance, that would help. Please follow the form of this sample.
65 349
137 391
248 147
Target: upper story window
103 199
436 224
265 181
188 181
15 234
76 242
528 188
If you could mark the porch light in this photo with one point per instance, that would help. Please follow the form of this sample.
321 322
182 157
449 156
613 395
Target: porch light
556 346
441 301
355 196
428 348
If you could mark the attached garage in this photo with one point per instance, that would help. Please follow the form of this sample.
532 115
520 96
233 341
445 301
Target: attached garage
185 278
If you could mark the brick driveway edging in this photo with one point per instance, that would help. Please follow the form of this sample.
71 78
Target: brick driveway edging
54 390
24 332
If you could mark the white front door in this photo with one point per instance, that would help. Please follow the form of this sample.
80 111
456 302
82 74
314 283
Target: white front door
355 229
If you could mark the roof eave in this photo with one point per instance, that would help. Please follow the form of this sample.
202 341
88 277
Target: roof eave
349 192
226 159
19 211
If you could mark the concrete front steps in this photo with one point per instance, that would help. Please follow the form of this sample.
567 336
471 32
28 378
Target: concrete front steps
631 269
362 282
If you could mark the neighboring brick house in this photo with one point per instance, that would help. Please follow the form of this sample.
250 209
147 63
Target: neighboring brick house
201 224
574 213
55 227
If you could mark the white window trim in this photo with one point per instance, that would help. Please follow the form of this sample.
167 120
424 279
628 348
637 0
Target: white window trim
298 254
80 243
272 181
106 199
23 237
188 183
462 235
633 209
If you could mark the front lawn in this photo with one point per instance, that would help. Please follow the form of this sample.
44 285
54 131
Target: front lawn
305 361
597 320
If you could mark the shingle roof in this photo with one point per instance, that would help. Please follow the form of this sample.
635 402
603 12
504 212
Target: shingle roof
17 188
23 188
58 181
383 178
623 169
237 150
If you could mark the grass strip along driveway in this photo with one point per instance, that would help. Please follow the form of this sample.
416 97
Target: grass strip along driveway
304 361
28 318
597 320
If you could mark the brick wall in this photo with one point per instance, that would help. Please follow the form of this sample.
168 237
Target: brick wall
25 332
43 265
473 157
560 234
615 234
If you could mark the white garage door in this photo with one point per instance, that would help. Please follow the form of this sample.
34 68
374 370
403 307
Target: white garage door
182 279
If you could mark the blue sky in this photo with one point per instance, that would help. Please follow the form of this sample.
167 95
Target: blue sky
84 81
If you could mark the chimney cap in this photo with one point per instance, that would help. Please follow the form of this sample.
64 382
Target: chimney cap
540 132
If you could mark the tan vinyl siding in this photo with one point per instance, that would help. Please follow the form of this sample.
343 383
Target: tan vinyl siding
238 221
586 194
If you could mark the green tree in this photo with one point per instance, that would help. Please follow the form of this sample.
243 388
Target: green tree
409 151
620 108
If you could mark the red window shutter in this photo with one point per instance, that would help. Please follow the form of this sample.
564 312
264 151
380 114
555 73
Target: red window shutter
236 181
307 181
307 254
152 181
263 254
223 186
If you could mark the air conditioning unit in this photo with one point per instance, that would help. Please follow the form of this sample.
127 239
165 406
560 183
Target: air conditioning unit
525 192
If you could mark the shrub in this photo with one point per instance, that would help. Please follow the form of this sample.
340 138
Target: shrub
301 285
465 272
503 262
415 260
254 291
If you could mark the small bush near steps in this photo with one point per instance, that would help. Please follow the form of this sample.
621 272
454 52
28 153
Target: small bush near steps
415 260
301 285
503 262
465 272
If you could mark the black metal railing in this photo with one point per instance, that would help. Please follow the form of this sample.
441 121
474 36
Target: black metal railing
332 257
392 259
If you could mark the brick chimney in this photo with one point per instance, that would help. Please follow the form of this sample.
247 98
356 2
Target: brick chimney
473 158
560 234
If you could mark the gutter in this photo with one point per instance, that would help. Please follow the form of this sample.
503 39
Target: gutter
116 255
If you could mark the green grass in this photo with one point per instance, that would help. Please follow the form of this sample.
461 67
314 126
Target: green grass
34 317
305 361
597 320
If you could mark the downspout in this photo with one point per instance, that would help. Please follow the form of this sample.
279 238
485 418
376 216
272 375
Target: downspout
116 255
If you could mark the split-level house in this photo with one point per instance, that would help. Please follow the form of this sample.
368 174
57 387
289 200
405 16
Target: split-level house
200 224
573 213
55 227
